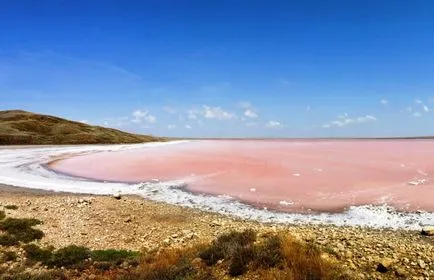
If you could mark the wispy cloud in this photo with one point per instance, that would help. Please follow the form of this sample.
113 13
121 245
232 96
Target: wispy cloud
344 120
384 102
216 113
250 114
273 124
140 115
249 111
417 109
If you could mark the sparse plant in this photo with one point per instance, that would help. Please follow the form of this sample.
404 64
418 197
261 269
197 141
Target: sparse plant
11 207
2 215
9 256
240 261
19 230
36 254
227 245
114 256
269 253
70 256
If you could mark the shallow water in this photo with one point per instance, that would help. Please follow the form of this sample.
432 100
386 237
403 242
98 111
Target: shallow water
290 176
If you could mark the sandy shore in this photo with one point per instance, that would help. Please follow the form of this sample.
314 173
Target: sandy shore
100 222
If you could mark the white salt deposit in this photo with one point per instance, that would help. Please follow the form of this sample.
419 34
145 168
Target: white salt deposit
25 167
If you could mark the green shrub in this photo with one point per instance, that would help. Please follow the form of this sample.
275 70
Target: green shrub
2 215
20 230
269 253
36 254
240 261
114 256
8 240
70 256
11 207
9 256
227 245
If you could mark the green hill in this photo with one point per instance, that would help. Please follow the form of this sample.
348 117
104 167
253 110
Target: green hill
25 128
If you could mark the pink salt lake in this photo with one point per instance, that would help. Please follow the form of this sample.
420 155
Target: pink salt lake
285 175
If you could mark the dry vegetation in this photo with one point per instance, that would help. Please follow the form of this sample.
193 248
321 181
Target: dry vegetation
25 128
235 254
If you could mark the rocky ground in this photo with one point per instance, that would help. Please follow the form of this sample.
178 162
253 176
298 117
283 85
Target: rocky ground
102 222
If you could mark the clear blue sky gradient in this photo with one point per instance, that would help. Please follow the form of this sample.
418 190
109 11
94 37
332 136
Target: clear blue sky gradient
189 68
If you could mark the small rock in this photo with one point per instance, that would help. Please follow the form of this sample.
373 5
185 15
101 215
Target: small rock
117 196
400 272
384 265
421 263
215 223
428 231
166 241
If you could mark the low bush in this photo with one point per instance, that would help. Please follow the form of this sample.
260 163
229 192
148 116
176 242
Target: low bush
19 230
70 256
227 245
36 254
11 207
114 256
8 240
8 256
240 261
269 253
2 215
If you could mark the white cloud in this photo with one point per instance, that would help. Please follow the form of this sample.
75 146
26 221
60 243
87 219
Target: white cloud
150 119
140 115
187 126
216 113
250 114
344 120
171 126
384 102
116 122
84 121
421 108
273 124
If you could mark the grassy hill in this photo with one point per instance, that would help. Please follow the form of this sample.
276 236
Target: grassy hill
25 128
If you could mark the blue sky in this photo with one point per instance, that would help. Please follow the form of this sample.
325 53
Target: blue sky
224 68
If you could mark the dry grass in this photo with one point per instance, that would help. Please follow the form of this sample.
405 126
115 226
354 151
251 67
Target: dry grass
25 128
239 254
